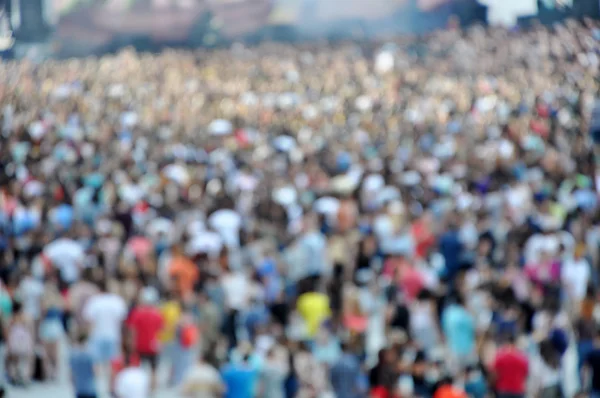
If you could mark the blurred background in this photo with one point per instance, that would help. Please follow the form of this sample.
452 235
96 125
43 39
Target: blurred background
81 27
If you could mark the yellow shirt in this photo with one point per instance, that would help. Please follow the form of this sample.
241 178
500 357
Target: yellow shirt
314 309
171 312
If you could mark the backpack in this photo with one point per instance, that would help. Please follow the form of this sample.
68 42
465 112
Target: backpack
188 335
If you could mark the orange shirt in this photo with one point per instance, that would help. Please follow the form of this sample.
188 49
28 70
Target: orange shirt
185 273
449 391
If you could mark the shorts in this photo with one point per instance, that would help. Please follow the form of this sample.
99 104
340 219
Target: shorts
51 330
151 359
104 350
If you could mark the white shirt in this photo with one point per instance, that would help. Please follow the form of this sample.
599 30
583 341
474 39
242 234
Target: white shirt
237 290
227 223
132 382
67 255
106 313
575 275
30 292
539 243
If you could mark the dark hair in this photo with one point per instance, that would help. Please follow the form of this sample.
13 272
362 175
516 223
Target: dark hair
82 337
17 307
510 338
549 354
103 285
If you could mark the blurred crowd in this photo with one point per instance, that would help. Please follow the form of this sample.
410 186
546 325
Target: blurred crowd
411 219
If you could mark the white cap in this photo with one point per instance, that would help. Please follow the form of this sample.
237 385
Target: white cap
149 295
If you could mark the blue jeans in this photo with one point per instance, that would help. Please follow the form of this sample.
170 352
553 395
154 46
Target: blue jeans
104 350
185 359
584 347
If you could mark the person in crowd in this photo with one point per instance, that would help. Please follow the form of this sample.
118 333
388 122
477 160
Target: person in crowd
145 322
346 375
421 199
80 292
171 310
592 369
314 308
81 363
273 374
448 389
202 381
105 313
127 355
546 371
382 378
459 329
240 378
208 326
132 381
51 329
20 347
510 370
188 337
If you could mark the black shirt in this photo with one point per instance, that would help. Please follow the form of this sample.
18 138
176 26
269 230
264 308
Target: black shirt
593 361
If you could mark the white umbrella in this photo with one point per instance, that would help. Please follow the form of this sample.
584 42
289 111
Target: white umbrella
33 188
220 127
195 228
159 226
343 184
363 103
64 250
326 205
284 143
36 130
285 196
205 243
410 178
177 173
388 194
373 183
131 193
227 223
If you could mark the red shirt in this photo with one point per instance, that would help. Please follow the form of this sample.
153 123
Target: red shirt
423 237
146 322
511 368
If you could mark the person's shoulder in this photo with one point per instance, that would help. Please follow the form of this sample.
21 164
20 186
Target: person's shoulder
594 355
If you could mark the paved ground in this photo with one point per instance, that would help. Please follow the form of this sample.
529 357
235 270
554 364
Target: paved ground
62 388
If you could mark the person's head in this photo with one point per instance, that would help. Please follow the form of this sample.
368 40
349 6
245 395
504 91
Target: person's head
459 300
81 338
103 285
368 246
510 339
224 258
386 356
87 275
148 296
549 353
17 308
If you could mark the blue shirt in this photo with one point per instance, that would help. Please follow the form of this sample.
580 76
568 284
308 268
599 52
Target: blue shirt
459 329
346 376
451 248
240 381
82 371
